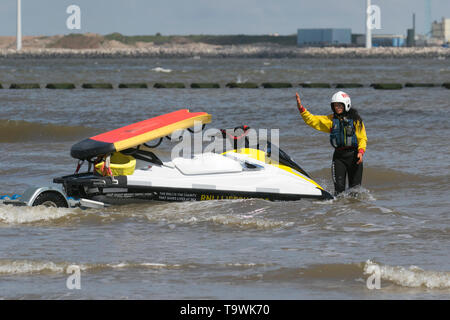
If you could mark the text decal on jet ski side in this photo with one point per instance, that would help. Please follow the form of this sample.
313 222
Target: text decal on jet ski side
182 196
222 197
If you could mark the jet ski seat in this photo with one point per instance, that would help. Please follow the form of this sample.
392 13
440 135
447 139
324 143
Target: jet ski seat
207 163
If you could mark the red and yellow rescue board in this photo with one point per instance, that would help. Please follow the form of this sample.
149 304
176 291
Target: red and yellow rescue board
137 133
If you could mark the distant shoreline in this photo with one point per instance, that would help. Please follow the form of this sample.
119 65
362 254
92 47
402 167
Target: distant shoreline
116 45
200 50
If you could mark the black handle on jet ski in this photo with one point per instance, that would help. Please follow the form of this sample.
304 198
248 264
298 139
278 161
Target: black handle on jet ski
189 129
245 128
156 145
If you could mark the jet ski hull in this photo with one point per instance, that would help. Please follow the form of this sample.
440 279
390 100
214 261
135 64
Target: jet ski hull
105 190
206 177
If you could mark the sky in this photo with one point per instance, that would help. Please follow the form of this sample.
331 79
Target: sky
182 17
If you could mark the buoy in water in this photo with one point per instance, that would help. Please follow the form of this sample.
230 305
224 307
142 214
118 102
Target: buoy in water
204 85
97 86
419 85
315 85
132 86
169 85
349 85
276 85
60 86
24 86
387 86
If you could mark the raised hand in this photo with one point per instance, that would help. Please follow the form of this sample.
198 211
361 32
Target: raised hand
299 103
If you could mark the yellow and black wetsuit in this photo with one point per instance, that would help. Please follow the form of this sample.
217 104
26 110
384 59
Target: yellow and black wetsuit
345 155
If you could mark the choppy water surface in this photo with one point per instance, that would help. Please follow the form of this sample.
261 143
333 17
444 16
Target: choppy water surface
240 249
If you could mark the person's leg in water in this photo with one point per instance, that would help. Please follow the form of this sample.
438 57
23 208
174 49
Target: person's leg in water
339 174
355 173
344 164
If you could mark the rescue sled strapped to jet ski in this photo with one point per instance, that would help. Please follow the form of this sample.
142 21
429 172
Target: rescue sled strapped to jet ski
123 168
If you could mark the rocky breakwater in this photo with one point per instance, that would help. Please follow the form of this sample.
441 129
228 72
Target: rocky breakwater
190 50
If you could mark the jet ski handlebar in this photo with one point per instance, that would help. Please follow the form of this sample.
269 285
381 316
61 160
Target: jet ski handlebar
244 128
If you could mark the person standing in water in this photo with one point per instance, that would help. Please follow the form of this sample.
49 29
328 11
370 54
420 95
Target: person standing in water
347 136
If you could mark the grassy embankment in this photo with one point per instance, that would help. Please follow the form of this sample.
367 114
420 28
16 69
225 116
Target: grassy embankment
240 39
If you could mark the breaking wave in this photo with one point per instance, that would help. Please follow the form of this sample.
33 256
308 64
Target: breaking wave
233 215
11 267
159 69
13 215
412 277
18 267
170 214
27 267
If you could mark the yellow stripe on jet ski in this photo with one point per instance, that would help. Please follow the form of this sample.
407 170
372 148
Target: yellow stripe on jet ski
261 156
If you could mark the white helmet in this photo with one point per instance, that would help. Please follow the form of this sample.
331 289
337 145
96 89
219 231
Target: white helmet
341 97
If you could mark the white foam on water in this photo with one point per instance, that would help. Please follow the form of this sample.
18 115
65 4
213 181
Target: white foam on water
255 212
385 210
20 215
157 265
412 277
22 267
244 222
30 267
159 69
12 267
150 265
237 264
119 265
240 80
405 236
247 265
200 212
359 193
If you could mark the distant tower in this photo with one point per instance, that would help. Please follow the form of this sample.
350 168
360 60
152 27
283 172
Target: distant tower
411 36
428 17
19 26
368 30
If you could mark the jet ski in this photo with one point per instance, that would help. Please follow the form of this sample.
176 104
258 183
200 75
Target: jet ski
123 168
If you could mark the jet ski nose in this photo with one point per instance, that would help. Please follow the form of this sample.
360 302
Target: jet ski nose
326 195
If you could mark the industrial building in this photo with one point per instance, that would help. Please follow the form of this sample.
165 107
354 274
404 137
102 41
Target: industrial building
380 40
388 40
441 30
344 37
439 35
324 37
